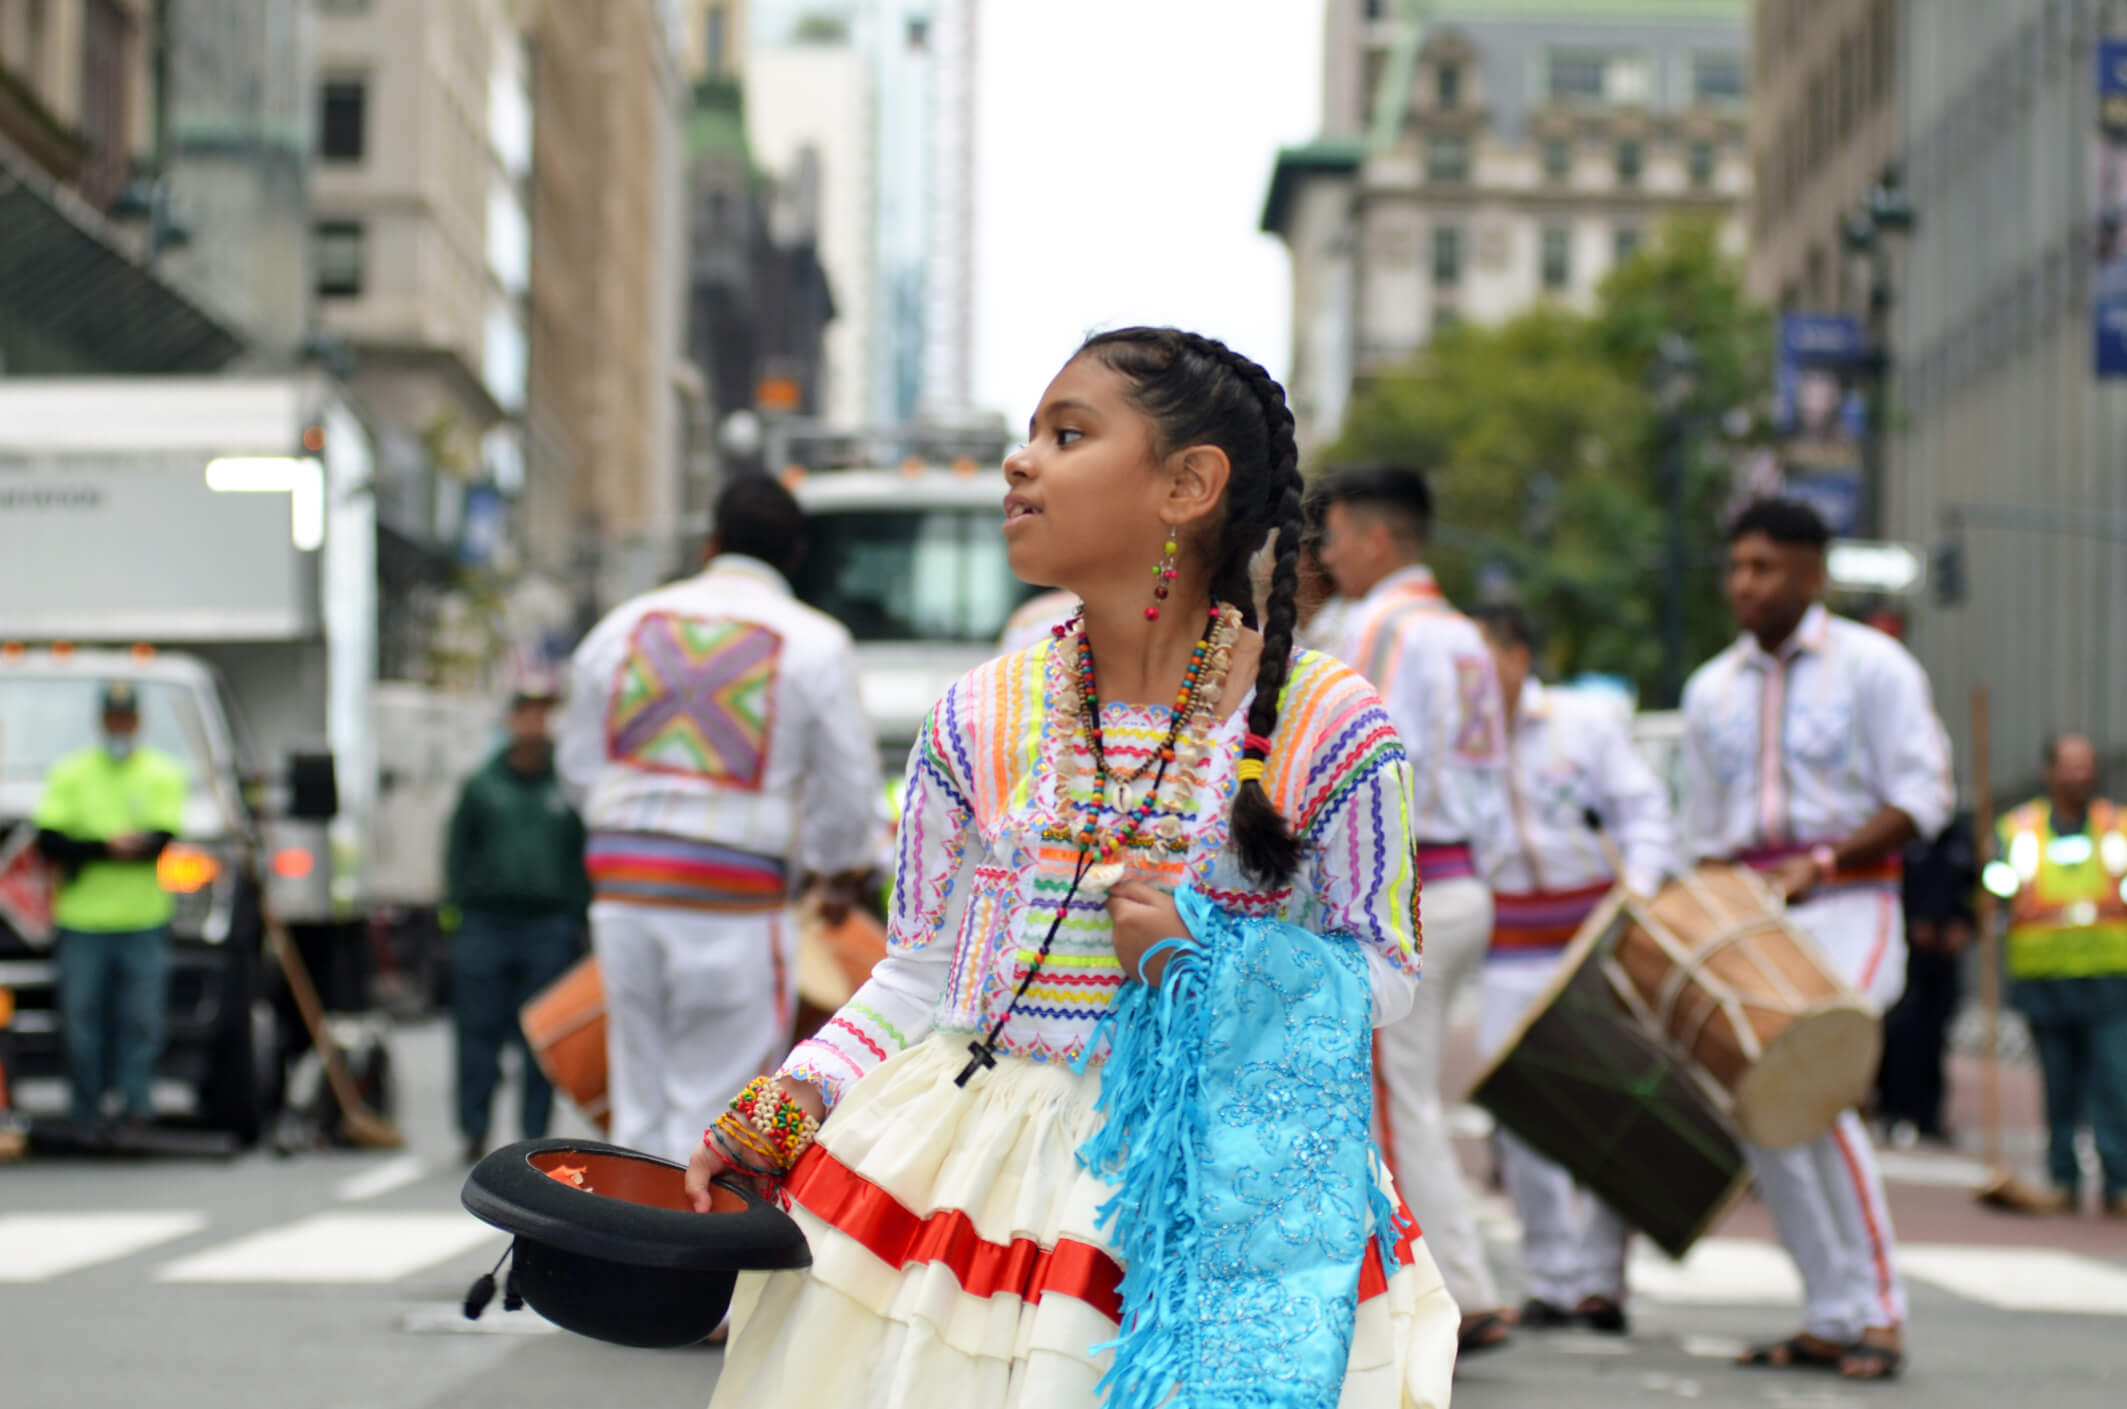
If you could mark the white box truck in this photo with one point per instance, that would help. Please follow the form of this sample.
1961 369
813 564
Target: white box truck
213 541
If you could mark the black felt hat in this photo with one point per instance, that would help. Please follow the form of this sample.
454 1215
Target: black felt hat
607 1245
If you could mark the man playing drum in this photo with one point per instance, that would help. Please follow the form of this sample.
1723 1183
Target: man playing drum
714 736
1567 756
1437 679
1812 752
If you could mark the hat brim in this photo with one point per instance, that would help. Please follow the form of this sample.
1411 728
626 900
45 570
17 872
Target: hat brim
629 1208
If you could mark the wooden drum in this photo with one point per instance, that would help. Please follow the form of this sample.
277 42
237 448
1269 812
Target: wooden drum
1713 965
565 1027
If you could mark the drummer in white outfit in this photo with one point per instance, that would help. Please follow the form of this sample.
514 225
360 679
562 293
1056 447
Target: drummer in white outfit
717 749
1812 751
1569 755
1436 677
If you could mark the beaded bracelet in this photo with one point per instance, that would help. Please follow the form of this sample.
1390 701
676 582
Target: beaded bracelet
737 1157
766 1124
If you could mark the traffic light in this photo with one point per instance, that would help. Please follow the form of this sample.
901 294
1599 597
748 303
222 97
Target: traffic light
1949 573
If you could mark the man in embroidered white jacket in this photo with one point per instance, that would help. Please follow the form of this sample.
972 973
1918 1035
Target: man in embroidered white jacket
1812 752
718 750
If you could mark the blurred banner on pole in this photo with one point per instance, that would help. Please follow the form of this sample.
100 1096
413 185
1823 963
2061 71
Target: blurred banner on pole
1821 415
2108 196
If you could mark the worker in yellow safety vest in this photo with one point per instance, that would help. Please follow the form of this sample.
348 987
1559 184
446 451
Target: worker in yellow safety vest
2062 866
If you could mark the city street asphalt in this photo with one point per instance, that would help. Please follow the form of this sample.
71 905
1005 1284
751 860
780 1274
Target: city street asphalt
333 1280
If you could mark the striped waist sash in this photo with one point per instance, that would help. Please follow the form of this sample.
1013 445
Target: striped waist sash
1543 919
640 868
1887 869
1444 861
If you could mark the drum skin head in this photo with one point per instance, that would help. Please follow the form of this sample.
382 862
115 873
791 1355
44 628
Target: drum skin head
1822 1064
608 1247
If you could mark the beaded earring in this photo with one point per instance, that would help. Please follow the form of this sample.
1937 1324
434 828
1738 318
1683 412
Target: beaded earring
1164 574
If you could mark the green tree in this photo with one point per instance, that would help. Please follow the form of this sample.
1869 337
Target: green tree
1542 440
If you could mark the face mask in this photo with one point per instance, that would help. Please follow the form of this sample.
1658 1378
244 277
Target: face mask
118 746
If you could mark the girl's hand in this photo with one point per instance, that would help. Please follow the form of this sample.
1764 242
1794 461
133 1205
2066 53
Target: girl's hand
708 1162
1143 915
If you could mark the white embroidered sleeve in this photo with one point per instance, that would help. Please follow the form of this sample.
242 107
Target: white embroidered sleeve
1365 875
1705 810
1635 807
838 800
1904 740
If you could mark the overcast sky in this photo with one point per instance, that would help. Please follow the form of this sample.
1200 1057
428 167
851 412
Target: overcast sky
1122 153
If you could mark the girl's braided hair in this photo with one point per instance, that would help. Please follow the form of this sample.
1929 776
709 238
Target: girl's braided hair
1198 391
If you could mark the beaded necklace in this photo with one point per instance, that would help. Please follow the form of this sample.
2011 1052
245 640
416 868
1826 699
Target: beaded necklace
1100 857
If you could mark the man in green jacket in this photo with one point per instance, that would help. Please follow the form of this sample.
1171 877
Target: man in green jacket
516 878
105 816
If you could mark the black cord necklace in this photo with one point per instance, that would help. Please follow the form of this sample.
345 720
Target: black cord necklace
982 1053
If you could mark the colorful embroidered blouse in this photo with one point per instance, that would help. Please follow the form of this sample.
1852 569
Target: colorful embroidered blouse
977 886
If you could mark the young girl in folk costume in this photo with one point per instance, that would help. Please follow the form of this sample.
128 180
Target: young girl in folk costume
1102 1110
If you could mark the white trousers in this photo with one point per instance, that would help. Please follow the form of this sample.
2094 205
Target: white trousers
1825 1197
1572 1244
1410 1119
696 1006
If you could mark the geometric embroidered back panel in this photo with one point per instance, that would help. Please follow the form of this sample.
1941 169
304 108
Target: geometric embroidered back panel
696 696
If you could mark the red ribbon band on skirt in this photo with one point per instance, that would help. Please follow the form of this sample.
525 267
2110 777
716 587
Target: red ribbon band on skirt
837 1195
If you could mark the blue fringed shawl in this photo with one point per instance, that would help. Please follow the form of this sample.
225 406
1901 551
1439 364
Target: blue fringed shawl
1238 1101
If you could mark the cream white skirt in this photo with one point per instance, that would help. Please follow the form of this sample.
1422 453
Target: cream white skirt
956 1260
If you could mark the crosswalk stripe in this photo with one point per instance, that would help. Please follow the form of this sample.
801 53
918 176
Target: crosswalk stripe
34 1246
336 1247
1716 1272
2021 1279
393 1174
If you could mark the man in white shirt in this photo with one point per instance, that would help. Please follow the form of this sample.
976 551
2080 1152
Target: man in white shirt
1568 756
1438 682
1812 751
716 747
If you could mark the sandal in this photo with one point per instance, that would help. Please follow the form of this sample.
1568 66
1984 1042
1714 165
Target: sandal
1866 1360
1795 1353
1540 1315
1487 1331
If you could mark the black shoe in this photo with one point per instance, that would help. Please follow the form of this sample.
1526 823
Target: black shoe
1600 1313
475 1148
1540 1315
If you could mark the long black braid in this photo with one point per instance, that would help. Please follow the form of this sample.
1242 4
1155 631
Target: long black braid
1198 391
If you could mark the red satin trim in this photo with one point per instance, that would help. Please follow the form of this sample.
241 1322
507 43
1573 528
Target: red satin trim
834 1193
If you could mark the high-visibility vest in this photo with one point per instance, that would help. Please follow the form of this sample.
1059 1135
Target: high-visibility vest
2068 917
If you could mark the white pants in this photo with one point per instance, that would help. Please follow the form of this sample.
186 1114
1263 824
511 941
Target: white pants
1825 1197
1455 918
1572 1244
696 1006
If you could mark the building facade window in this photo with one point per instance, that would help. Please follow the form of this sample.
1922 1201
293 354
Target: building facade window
1629 158
1558 160
1557 257
716 40
1717 78
340 257
1447 159
1447 85
1624 243
1447 257
1699 165
1575 77
343 119
1376 9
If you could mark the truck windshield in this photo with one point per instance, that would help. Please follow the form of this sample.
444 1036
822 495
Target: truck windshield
43 718
910 575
